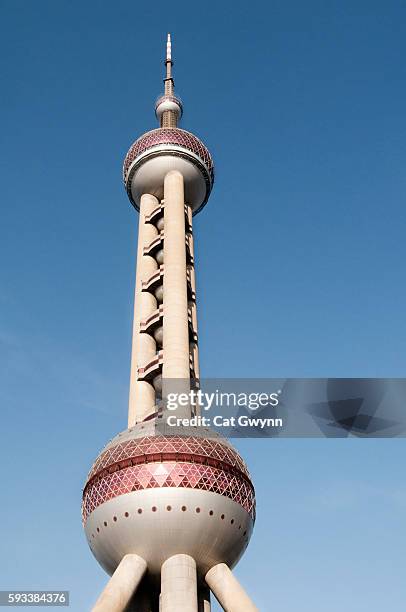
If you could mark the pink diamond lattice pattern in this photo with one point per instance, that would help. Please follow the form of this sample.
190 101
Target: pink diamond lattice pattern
174 136
168 461
150 445
168 474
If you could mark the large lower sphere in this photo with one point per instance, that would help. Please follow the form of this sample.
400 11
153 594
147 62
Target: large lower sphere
161 495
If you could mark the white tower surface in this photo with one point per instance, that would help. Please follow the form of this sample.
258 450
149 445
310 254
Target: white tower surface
167 511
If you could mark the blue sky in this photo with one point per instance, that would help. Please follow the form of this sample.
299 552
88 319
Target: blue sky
300 257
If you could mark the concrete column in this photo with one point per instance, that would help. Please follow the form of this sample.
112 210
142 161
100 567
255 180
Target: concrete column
179 584
228 591
203 599
122 585
142 394
175 303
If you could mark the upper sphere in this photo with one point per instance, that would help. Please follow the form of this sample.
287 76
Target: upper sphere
168 103
158 152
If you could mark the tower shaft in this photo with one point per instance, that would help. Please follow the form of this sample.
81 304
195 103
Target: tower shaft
164 345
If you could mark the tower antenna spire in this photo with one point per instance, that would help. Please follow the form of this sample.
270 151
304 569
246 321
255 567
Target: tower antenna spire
168 108
169 83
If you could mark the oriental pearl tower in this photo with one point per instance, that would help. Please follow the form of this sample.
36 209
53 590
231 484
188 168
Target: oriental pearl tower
167 511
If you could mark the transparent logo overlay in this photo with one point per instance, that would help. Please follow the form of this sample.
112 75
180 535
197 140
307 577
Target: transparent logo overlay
288 407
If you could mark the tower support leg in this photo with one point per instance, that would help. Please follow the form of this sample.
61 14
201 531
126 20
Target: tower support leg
228 591
179 584
122 585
